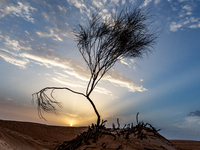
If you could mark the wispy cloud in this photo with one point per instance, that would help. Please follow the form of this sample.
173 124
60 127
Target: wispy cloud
12 44
78 3
97 4
69 114
77 70
188 22
186 10
114 2
13 58
174 26
52 34
185 16
123 61
146 2
20 10
119 79
48 61
67 82
17 45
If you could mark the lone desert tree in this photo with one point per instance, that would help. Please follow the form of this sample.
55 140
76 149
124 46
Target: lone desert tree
102 42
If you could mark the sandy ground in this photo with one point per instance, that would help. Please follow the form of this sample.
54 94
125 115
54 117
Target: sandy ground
186 144
22 136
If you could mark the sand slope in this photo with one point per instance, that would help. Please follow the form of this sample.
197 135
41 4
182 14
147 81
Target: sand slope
10 140
20 135
32 136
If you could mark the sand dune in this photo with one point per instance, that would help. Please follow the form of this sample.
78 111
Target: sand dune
23 135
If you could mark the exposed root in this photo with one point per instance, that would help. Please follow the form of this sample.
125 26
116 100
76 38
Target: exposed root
140 131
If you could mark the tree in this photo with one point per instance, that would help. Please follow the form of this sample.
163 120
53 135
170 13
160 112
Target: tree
102 42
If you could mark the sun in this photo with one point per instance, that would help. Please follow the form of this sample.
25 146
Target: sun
71 124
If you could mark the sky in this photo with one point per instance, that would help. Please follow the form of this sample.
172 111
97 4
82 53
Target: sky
37 50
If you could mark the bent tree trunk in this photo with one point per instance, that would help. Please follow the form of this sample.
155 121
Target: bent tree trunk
97 113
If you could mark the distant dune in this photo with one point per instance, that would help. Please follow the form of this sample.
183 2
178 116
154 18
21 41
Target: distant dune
32 136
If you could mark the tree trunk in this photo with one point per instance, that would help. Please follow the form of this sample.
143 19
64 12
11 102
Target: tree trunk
98 116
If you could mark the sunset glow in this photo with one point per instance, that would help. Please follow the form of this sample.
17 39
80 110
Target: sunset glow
38 50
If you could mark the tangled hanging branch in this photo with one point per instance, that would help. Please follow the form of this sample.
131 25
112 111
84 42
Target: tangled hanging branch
47 102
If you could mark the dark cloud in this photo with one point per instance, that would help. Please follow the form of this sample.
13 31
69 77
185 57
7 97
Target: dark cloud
196 113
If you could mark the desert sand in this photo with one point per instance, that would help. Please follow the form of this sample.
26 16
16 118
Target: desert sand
25 135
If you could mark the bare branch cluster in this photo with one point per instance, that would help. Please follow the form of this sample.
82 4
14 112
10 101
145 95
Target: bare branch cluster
103 42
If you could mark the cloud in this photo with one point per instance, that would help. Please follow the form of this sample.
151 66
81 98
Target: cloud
75 69
70 66
78 3
17 45
157 1
104 91
122 61
174 26
191 122
46 16
118 78
53 33
69 114
97 4
48 61
30 35
114 2
186 10
123 2
12 58
67 82
196 113
187 7
12 44
185 16
21 10
146 2
188 22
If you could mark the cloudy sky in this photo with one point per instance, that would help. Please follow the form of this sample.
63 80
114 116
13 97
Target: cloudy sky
37 50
